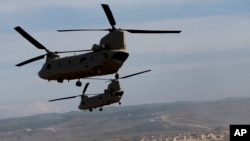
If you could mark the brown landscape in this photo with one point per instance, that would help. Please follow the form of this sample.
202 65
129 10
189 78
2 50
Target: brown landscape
182 121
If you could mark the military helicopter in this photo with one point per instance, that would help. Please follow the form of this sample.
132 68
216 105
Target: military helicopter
111 95
102 59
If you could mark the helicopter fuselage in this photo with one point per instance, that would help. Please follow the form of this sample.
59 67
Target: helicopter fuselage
105 58
111 95
90 64
100 100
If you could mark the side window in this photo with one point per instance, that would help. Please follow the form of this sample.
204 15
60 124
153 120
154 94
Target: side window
105 55
59 65
48 66
83 59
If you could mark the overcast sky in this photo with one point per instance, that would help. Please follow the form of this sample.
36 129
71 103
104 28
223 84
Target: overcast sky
209 60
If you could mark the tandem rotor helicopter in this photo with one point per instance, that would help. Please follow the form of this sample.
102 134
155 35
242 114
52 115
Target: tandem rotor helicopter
111 95
104 58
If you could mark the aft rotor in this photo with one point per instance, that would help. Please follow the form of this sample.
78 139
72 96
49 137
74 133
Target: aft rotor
112 23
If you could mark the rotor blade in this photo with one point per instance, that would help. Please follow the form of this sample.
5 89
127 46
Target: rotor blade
85 88
31 60
120 77
134 74
128 30
109 15
151 31
97 78
30 39
64 98
72 51
69 30
94 94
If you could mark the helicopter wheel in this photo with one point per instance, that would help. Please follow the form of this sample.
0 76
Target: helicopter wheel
60 80
100 109
90 110
78 83
119 103
116 76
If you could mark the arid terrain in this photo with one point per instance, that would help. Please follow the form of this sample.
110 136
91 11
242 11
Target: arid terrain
141 122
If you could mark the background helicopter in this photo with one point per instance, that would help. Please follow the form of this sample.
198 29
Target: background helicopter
105 58
111 95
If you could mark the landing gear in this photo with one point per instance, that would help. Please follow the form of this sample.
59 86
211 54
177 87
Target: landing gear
100 109
116 76
60 80
119 103
90 110
78 83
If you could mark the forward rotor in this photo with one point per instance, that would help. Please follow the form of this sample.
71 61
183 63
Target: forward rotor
30 38
39 46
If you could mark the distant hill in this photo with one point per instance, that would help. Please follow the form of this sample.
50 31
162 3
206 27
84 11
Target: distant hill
171 118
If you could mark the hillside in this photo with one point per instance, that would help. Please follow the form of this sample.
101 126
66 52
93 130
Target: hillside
166 118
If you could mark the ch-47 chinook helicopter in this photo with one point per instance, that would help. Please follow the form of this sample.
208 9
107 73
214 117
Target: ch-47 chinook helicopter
111 95
104 58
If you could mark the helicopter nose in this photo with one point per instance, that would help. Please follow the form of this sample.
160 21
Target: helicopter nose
121 56
40 74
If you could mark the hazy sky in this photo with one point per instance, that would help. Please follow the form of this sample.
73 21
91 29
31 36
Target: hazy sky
209 60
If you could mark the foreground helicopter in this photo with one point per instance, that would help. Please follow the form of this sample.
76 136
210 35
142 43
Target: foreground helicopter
104 58
111 95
